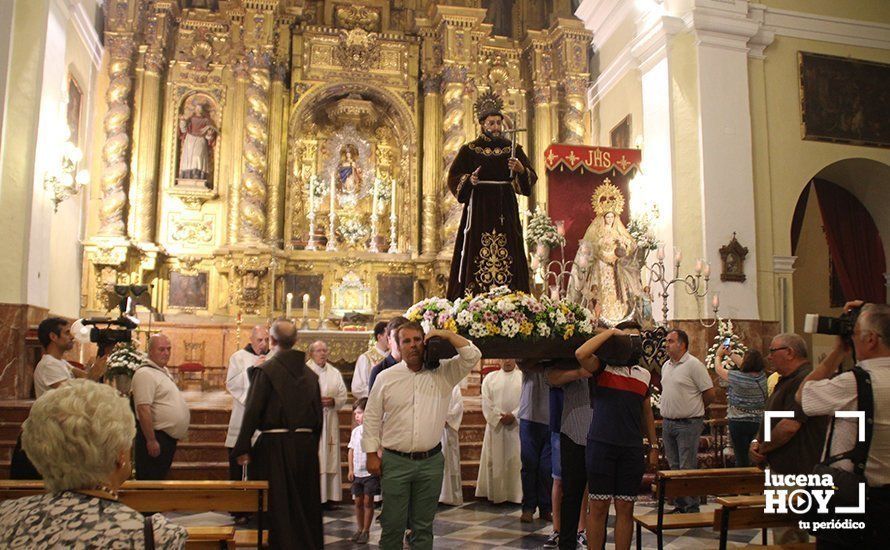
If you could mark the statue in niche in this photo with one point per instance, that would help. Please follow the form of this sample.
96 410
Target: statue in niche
500 15
197 135
349 175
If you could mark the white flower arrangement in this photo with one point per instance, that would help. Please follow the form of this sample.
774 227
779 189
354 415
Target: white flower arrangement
124 360
724 331
353 231
542 230
640 229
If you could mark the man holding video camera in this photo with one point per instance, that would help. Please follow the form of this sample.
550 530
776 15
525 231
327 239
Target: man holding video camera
414 400
826 390
54 334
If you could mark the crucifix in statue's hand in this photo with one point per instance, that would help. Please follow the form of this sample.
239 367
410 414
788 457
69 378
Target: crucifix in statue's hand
513 133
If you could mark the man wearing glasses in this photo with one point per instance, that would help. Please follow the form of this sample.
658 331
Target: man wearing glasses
795 443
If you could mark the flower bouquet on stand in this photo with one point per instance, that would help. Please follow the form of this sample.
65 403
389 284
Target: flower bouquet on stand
122 364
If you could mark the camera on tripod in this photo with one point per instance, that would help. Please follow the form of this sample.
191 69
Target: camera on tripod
840 326
106 332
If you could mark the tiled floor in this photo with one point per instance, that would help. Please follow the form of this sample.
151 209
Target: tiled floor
480 525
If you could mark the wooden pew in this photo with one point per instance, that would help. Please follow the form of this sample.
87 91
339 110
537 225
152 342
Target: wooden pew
174 496
671 484
210 538
747 512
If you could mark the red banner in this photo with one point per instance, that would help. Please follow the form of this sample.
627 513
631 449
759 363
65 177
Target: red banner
598 160
573 174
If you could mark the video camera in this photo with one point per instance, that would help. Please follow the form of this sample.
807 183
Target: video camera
105 332
840 326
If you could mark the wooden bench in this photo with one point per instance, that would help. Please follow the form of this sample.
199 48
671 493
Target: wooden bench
175 496
791 546
671 484
210 538
747 512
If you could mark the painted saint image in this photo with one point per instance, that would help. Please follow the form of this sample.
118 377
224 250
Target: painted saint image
197 135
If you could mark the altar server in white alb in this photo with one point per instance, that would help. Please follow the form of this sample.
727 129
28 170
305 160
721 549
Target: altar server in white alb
500 467
452 493
238 383
366 361
333 397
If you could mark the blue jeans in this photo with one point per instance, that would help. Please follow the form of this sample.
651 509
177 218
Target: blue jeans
681 439
534 439
742 432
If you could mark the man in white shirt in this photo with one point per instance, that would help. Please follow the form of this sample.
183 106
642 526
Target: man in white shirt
161 410
825 391
452 485
500 476
687 390
333 397
415 403
54 334
238 383
366 361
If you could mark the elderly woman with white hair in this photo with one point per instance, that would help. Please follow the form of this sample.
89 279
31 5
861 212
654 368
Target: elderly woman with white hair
79 438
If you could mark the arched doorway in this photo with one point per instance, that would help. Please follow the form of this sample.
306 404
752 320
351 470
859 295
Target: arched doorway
845 203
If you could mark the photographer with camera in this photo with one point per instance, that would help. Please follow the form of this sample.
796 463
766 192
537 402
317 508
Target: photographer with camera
827 390
54 334
415 402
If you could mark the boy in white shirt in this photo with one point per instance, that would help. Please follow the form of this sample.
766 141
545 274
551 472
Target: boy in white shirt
364 485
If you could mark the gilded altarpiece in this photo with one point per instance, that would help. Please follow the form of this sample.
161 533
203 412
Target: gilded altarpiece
262 139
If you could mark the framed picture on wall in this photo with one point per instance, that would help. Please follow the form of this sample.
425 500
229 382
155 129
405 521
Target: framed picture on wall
75 102
844 100
619 136
188 291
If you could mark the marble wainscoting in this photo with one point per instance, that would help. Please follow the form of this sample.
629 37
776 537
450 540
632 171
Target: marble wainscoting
19 351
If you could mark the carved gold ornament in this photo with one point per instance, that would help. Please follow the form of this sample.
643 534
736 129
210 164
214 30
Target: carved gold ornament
494 261
358 49
607 198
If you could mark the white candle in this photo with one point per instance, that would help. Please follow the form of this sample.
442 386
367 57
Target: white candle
305 306
698 267
392 209
678 255
290 299
561 228
707 270
661 253
321 300
311 195
716 301
333 192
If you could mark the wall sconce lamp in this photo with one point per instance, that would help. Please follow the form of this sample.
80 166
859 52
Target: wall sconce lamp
65 180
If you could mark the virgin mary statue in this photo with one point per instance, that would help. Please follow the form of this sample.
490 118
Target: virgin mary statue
605 272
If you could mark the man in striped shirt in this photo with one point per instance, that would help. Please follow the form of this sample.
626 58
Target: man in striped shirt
622 413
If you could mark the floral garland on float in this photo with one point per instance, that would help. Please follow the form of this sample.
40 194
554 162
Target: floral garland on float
507 323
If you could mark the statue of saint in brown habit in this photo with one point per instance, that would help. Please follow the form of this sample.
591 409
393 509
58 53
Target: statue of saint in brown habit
485 176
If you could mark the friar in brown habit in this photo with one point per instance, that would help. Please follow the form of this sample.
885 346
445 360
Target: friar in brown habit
485 176
284 404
